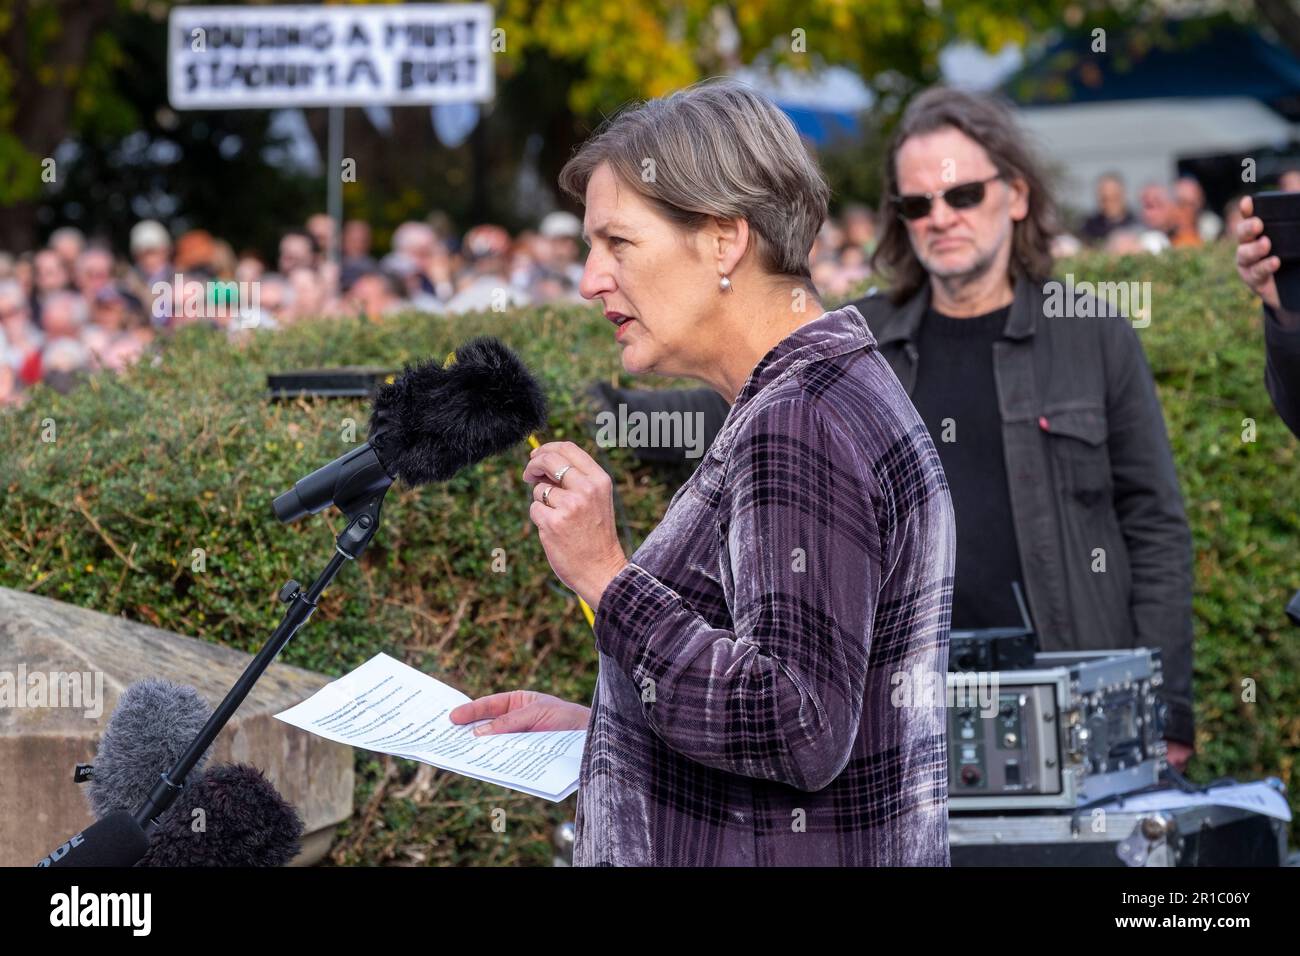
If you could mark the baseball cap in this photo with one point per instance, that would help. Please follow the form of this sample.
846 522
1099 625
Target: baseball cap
149 234
560 225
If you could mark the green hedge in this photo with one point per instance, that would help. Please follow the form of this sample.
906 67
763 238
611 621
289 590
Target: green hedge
187 453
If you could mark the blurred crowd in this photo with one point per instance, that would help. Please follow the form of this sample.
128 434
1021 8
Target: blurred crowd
76 306
1168 216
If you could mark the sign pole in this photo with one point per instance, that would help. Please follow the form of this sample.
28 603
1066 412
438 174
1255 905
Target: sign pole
334 181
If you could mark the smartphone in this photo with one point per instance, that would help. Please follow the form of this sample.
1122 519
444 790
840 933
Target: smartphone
1281 215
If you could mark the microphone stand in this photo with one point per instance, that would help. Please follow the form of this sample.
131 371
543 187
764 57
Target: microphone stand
363 522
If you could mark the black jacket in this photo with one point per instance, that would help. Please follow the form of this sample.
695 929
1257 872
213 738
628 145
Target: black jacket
1282 369
1091 479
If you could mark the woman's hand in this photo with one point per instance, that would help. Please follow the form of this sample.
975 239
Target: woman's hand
575 518
521 711
1254 264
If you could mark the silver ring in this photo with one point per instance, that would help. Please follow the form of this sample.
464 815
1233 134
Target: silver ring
546 493
559 475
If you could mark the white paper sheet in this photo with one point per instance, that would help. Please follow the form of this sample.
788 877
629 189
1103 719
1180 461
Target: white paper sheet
1257 796
387 706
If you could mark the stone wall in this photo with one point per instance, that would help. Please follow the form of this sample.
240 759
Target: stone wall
41 806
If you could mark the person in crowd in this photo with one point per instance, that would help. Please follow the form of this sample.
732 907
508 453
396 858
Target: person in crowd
526 255
433 277
859 230
1048 426
1194 225
196 255
1125 242
373 295
275 304
1157 217
22 338
49 272
308 295
551 287
68 243
320 227
297 251
825 272
1112 210
558 250
117 333
49 277
412 280
249 268
65 316
151 252
93 273
487 285
64 363
11 391
193 304
356 258
62 352
24 273
356 239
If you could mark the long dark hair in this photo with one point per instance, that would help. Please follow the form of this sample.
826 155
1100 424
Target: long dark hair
989 123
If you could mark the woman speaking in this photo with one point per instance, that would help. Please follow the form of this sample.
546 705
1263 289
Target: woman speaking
762 654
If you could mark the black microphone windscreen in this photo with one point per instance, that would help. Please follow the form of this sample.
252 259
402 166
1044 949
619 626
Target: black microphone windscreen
116 840
434 420
244 821
153 724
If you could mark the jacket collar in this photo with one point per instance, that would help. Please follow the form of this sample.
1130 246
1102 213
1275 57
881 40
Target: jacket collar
832 333
904 322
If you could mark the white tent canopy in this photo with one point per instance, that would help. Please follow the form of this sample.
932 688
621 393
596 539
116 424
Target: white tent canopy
1142 140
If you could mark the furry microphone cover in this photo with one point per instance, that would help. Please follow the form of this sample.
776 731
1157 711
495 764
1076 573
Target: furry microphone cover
155 720
432 421
230 816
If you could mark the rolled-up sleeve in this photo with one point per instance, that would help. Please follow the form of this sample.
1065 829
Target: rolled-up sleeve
779 695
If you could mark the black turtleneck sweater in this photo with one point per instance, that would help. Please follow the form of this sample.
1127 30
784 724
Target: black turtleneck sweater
954 380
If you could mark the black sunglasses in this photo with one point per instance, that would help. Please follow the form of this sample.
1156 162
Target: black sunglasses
961 196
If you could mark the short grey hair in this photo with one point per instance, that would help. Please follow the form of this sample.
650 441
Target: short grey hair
717 150
410 234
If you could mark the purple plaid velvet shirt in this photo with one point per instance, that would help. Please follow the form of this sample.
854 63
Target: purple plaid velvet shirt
745 711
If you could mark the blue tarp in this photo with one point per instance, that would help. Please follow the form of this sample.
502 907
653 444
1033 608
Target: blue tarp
821 127
1194 58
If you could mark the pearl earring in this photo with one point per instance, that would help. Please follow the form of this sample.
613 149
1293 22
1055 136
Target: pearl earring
724 284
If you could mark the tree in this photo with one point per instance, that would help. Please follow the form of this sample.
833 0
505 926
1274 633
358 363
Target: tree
52 54
74 69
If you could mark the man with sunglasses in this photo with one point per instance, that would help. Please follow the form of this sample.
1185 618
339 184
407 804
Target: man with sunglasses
1047 424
